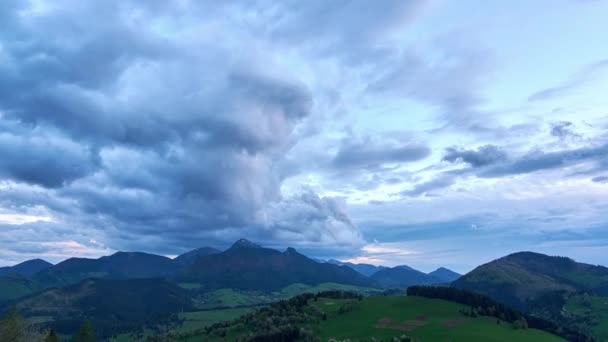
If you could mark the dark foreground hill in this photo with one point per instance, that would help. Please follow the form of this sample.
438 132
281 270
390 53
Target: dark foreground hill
247 266
111 305
336 315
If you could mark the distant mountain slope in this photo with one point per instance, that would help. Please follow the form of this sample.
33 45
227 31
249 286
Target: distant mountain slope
120 265
111 305
445 274
402 276
189 258
250 267
365 269
13 286
520 278
27 267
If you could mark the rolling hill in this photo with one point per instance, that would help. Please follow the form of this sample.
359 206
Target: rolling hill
335 316
112 305
555 288
402 276
120 265
524 277
445 275
247 266
190 257
365 269
26 268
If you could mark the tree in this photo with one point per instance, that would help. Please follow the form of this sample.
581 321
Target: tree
12 326
85 334
51 336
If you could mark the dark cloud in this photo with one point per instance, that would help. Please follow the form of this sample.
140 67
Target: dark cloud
537 161
563 130
370 154
582 77
427 187
600 179
484 155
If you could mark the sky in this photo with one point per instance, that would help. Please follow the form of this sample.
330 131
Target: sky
427 133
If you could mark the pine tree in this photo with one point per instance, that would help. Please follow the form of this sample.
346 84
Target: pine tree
11 327
85 334
51 336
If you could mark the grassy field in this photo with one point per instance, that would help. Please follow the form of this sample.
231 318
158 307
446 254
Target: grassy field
422 318
200 319
594 310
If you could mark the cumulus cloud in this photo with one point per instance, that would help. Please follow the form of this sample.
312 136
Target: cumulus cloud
135 124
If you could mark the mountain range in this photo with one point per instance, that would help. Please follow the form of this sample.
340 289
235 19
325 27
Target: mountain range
136 287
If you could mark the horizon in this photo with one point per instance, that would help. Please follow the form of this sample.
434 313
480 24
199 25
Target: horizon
225 248
418 133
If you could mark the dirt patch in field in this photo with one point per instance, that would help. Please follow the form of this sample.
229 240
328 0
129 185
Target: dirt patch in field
386 320
415 323
422 317
453 323
404 327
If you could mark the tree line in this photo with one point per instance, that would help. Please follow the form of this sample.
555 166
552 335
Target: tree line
15 328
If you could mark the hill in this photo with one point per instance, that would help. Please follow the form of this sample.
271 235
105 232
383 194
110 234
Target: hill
340 316
366 269
556 288
402 276
120 265
111 305
247 266
189 258
445 275
26 268
521 278
13 286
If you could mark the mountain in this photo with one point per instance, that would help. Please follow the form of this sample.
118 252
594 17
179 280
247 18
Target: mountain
445 274
365 269
120 265
247 266
521 278
401 276
112 305
189 258
26 268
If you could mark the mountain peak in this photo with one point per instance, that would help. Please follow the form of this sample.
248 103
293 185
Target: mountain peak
244 243
290 250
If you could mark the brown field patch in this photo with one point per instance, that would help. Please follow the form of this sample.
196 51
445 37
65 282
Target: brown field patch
415 323
453 323
386 320
404 327
422 317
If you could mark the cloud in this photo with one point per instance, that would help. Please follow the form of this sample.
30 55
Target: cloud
370 154
484 155
538 161
600 179
563 130
440 182
135 125
582 77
